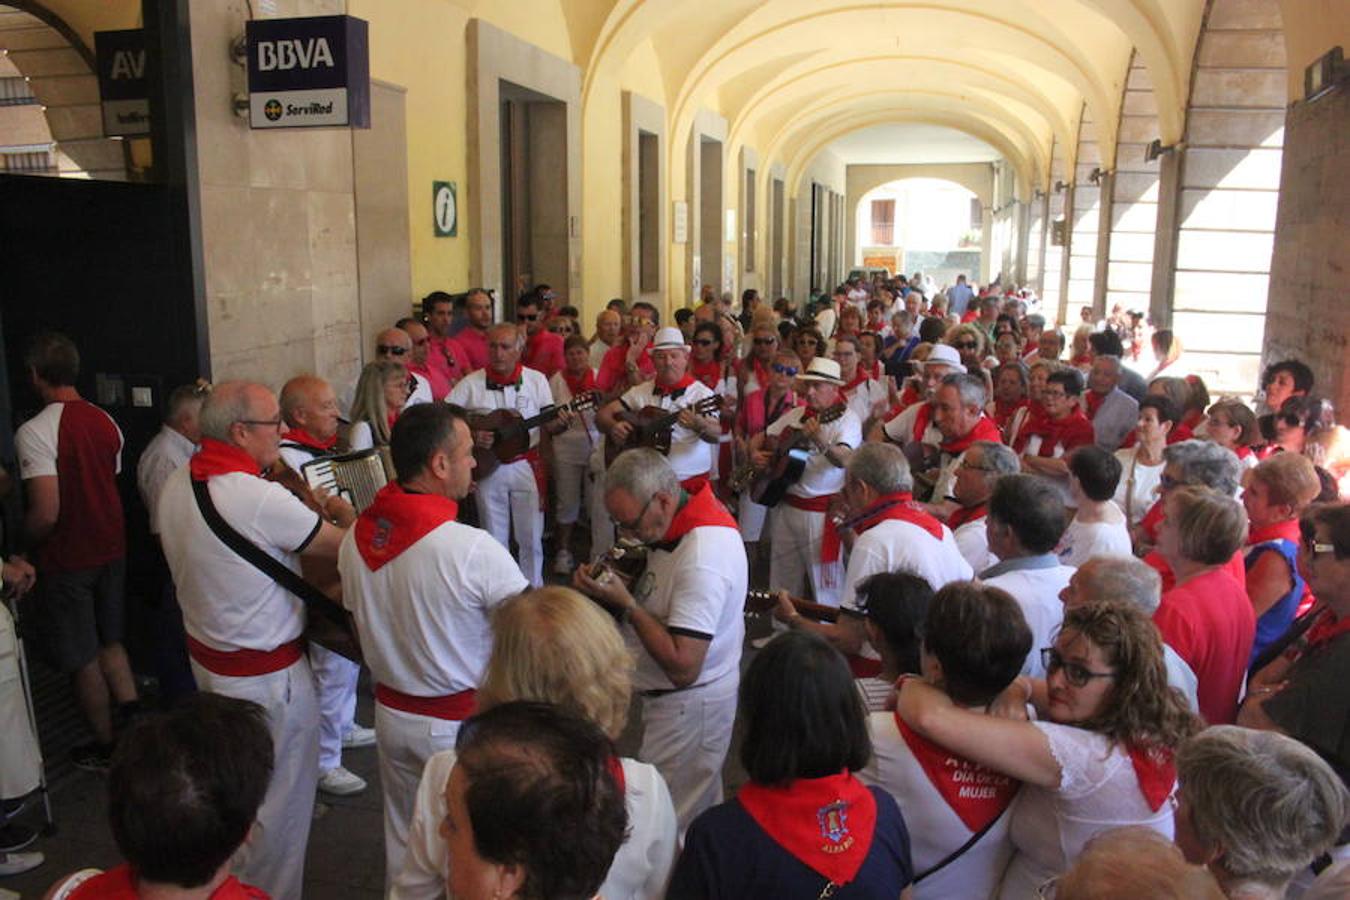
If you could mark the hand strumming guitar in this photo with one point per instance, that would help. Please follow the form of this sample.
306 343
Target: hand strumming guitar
484 439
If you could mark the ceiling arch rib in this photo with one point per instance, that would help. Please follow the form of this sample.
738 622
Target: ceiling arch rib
1148 29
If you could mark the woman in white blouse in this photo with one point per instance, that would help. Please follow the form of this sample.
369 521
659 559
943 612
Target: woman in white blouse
556 646
1098 527
1099 757
1142 464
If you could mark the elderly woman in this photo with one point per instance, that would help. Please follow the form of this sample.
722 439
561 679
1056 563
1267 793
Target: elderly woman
970 342
533 806
1196 463
1142 463
1010 394
1255 808
803 826
1099 755
381 391
1206 617
1278 490
1232 424
555 645
1038 376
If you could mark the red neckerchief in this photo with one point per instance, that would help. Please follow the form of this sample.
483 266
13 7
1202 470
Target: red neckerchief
1004 412
390 418
859 376
1278 531
1151 520
701 509
616 769
219 458
1094 403
396 520
921 421
1071 431
1180 432
512 380
898 506
826 823
579 384
967 514
976 794
710 372
984 430
1156 772
1326 629
874 371
1243 452
1082 362
120 884
659 391
1192 417
305 439
909 396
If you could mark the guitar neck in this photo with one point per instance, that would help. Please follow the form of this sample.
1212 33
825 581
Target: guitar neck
547 415
821 613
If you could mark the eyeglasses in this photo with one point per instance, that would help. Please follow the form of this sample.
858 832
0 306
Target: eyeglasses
763 342
966 345
789 371
526 317
392 351
705 342
1076 675
1167 482
1310 544
632 524
261 423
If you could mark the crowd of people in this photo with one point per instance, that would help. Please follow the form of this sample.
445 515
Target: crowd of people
1041 624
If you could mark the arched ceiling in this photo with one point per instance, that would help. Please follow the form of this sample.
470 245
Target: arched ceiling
899 144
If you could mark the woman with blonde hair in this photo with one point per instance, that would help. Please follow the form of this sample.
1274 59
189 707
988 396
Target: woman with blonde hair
380 394
970 342
554 645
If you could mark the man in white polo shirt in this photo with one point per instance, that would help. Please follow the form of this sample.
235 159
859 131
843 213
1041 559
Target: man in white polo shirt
245 630
421 588
508 499
693 438
684 617
972 482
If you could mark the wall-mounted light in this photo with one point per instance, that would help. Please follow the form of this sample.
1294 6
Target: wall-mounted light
1060 187
1156 149
1095 176
1324 74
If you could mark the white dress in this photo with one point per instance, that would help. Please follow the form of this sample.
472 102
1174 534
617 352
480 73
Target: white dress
1098 790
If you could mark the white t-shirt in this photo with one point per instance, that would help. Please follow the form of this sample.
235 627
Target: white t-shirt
821 477
972 539
421 393
574 445
228 604
165 454
424 616
640 869
1137 491
900 428
527 397
1098 790
1037 593
1084 540
697 589
690 455
936 829
866 397
895 546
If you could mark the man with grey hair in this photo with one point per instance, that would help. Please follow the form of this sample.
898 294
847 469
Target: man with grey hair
983 463
684 619
958 411
1112 411
245 631
893 534
1202 464
1129 580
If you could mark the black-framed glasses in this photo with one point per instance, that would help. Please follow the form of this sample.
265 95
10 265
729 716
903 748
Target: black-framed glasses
1308 540
261 423
789 371
1077 675
526 317
391 350
632 524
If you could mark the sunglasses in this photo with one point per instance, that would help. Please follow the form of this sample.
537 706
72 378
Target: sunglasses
392 351
1077 675
705 342
789 371
966 345
526 317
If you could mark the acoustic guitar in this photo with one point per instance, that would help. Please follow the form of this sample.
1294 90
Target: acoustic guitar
652 426
511 431
792 450
758 603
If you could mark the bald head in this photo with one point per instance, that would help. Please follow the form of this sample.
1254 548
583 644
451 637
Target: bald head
390 341
505 342
308 403
608 325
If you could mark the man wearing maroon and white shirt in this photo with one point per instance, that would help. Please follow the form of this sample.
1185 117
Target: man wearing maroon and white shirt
421 588
245 631
70 454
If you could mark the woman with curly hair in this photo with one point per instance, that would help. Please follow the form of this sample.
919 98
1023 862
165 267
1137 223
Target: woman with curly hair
1099 757
971 342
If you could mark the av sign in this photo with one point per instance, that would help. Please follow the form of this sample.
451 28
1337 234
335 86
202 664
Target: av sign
122 87
308 72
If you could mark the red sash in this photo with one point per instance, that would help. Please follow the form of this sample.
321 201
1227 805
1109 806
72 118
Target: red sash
120 884
984 430
659 391
305 439
826 823
219 458
1157 774
396 520
701 509
967 514
450 708
512 380
245 663
976 794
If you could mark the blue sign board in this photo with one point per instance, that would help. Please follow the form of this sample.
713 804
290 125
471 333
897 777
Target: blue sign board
308 72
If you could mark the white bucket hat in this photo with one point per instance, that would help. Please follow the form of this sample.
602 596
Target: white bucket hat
669 338
822 369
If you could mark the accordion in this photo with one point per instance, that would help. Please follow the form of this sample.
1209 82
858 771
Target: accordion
356 477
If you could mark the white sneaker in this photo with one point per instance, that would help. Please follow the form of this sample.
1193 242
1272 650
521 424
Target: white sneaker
564 563
18 863
341 783
358 736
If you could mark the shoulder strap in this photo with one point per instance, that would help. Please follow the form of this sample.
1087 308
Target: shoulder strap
960 851
316 601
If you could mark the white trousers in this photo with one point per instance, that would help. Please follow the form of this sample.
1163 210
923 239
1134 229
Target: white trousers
686 735
508 504
275 859
405 742
571 481
20 759
794 556
750 516
335 684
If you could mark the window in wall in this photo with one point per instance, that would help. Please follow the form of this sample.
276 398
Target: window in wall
883 222
976 213
748 237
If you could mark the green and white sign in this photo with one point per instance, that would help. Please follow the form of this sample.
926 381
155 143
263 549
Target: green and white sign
444 208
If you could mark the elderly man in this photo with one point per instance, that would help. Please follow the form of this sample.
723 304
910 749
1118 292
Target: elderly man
441 364
1198 463
958 410
608 334
311 416
396 345
543 349
973 480
684 619
1112 411
1026 520
1108 343
421 588
509 501
245 631
915 425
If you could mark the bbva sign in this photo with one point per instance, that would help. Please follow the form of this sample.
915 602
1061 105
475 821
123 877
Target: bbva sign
308 72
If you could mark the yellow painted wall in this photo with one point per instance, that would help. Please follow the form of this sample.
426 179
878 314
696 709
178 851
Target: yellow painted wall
1311 28
86 17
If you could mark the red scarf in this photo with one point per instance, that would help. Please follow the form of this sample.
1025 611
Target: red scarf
921 419
512 380
305 439
859 377
826 823
680 385
909 396
1278 531
579 384
977 795
219 458
1243 452
120 884
616 769
899 506
1094 403
984 430
1074 430
710 372
967 514
1151 520
396 520
699 510
1004 412
1157 773
1327 629
1180 432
